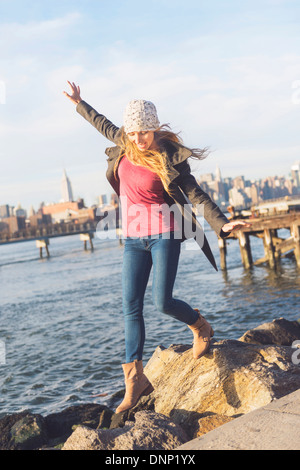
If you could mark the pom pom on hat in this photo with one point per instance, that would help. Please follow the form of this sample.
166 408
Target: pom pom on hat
140 115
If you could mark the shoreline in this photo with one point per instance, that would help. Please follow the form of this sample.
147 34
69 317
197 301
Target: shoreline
234 379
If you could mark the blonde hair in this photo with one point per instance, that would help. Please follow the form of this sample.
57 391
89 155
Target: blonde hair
156 160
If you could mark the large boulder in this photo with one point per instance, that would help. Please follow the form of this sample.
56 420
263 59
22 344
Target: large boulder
22 431
149 431
280 331
234 378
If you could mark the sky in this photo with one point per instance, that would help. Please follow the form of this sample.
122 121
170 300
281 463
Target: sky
226 74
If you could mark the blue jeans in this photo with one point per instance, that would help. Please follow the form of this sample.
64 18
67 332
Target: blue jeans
140 254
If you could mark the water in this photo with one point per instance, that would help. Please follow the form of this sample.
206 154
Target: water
61 318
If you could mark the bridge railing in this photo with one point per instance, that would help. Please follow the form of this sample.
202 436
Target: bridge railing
49 230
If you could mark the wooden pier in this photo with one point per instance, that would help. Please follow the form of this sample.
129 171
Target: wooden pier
275 247
42 235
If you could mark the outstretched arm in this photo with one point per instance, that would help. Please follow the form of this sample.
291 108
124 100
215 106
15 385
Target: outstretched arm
214 216
75 93
235 225
100 122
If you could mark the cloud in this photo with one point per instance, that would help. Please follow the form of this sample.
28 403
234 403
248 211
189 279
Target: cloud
228 88
33 30
239 116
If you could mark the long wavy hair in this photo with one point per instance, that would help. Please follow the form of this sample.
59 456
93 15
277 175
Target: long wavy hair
156 160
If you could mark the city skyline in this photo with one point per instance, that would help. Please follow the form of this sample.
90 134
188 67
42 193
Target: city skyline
226 74
201 178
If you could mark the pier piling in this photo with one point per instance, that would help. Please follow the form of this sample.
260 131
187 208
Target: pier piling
269 248
295 233
223 252
43 244
245 249
87 237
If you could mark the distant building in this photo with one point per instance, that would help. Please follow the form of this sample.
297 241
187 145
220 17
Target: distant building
13 224
69 212
4 211
218 175
31 211
206 178
3 227
216 188
19 211
253 193
295 173
66 188
114 200
36 220
239 182
62 210
102 199
238 198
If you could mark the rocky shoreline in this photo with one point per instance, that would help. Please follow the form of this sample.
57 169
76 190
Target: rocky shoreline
190 398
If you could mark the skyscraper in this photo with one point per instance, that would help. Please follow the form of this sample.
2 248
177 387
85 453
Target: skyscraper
66 188
295 172
218 175
4 211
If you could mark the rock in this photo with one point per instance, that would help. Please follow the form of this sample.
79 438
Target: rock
89 414
6 423
232 379
210 422
22 431
190 398
83 438
279 331
149 431
27 431
144 404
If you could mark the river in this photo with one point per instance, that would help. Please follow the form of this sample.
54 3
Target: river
61 329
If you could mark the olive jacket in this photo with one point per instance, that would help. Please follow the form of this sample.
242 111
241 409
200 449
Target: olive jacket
184 188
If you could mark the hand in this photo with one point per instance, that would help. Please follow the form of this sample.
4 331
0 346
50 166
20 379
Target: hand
235 225
75 95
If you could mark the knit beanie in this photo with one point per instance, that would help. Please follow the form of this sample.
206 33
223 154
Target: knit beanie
140 115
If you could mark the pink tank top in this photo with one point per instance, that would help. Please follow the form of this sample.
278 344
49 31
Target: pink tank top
144 210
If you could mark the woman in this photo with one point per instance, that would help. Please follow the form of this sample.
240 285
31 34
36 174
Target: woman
149 171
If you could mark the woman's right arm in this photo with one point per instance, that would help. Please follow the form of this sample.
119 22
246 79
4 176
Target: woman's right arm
100 122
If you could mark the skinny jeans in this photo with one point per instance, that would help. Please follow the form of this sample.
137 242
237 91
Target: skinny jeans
141 254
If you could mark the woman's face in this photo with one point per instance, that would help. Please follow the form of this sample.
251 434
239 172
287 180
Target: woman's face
144 140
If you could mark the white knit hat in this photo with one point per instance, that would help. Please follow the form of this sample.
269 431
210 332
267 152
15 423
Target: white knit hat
140 115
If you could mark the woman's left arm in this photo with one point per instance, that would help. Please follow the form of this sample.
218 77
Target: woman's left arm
234 226
212 213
